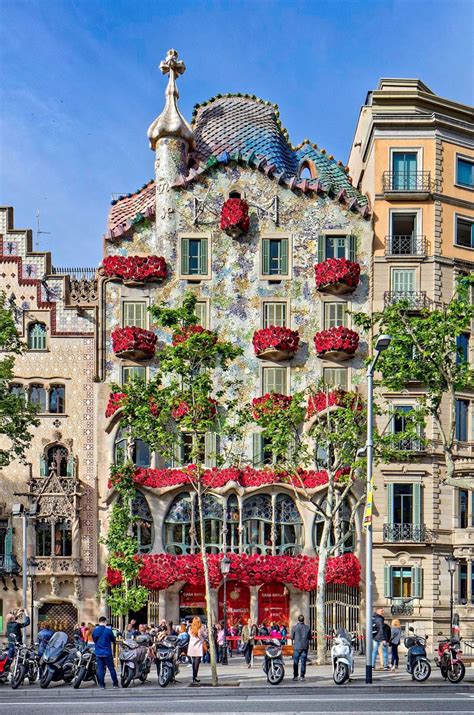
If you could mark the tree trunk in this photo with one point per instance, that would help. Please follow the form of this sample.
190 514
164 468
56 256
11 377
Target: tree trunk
207 588
320 601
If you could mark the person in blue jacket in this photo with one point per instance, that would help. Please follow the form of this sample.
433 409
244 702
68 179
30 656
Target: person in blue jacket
103 637
44 635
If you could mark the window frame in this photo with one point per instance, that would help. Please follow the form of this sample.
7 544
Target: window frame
467 159
264 371
132 367
325 305
418 150
346 386
274 277
143 304
55 386
31 325
350 240
195 277
283 303
469 219
468 419
398 269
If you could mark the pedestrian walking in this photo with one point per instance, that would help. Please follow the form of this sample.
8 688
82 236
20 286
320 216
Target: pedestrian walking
104 638
300 636
249 631
220 642
395 637
197 636
379 635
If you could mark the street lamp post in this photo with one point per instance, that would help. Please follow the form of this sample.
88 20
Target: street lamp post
32 564
382 344
225 568
25 514
451 561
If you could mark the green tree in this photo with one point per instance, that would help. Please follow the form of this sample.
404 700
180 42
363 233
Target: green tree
426 348
17 417
189 397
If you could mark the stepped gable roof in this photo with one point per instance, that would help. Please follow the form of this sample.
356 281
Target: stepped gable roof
247 130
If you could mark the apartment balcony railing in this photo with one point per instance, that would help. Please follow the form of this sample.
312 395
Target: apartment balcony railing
58 565
402 607
394 533
405 245
407 181
9 565
413 300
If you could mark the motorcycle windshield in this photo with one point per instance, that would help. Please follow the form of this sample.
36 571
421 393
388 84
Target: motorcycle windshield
55 645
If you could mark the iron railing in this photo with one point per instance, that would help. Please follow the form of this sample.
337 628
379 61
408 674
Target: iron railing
393 533
79 273
405 245
412 300
407 181
410 444
402 607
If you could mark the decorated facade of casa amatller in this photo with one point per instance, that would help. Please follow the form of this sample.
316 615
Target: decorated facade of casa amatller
260 231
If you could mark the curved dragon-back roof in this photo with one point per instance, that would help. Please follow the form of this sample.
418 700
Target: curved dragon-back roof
247 130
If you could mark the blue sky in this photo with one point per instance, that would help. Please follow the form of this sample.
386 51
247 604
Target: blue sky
80 85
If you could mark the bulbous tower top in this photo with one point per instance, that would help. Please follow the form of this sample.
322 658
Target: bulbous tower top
171 122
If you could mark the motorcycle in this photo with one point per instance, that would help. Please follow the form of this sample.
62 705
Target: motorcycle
24 665
449 661
342 656
135 660
85 664
273 666
167 654
418 664
57 661
5 666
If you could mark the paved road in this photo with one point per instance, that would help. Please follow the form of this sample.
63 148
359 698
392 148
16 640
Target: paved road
307 699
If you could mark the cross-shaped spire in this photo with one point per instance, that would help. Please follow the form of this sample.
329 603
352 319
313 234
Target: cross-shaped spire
172 64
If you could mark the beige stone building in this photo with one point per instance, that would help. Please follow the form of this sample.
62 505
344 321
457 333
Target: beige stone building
56 317
413 156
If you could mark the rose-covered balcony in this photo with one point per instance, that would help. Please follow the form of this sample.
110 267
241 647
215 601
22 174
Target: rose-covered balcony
133 343
319 403
336 343
275 343
115 403
337 276
235 219
135 270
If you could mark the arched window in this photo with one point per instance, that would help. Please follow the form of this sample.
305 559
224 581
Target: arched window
62 539
37 396
58 456
257 522
57 396
213 514
235 194
17 389
341 533
232 524
177 536
37 336
288 526
307 170
43 538
140 452
143 523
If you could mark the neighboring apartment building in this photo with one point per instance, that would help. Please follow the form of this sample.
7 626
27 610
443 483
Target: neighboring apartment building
413 157
56 318
303 209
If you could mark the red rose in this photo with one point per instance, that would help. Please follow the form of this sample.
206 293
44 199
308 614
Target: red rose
276 337
132 338
235 217
337 270
137 268
115 402
339 338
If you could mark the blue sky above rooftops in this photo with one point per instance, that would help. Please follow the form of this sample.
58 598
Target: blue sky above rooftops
80 85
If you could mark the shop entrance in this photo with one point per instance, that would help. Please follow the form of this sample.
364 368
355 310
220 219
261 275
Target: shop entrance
274 604
192 602
238 603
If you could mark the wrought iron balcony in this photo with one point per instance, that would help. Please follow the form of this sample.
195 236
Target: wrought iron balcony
9 565
407 181
393 533
402 607
405 245
412 299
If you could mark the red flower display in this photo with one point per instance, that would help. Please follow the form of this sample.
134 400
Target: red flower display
133 341
269 404
338 339
113 576
114 403
160 571
337 272
277 339
183 334
135 268
235 217
341 398
200 411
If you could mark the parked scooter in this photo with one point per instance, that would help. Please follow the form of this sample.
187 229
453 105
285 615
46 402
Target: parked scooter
342 656
417 662
57 661
85 664
449 660
273 665
167 666
135 660
25 665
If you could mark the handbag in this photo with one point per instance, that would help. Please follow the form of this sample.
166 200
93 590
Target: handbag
205 647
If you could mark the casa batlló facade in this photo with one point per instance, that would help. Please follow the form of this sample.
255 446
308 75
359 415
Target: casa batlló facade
258 229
